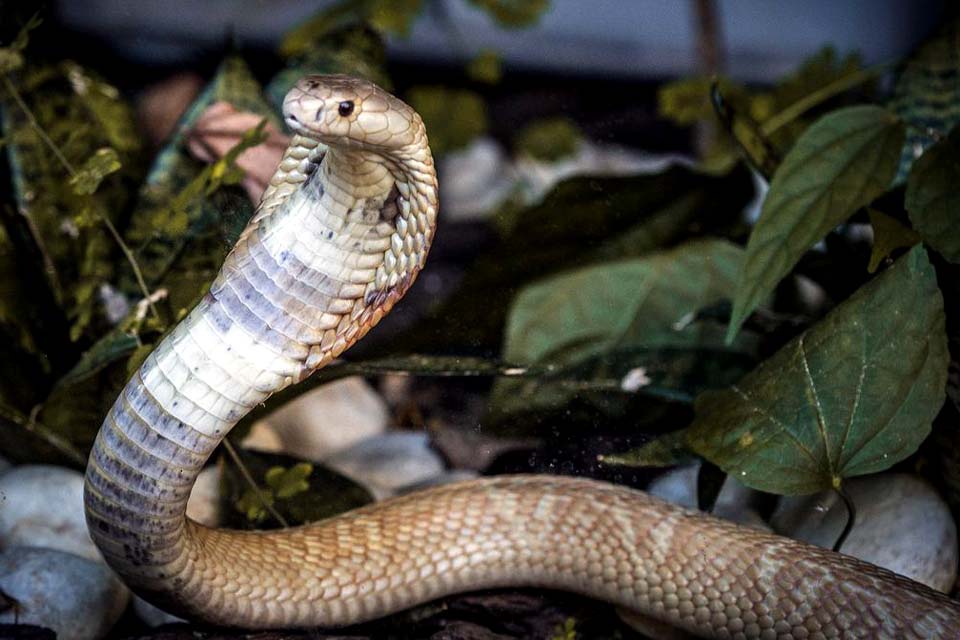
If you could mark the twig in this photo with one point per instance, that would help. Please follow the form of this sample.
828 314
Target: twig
248 478
851 518
128 254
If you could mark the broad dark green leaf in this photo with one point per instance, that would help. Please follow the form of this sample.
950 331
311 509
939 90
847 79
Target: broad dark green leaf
606 316
853 395
841 163
638 302
927 94
933 196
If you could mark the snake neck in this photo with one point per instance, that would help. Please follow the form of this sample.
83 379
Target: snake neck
338 238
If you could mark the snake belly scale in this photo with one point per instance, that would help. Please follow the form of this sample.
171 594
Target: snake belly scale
340 234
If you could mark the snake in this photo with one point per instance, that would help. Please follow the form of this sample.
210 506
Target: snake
340 234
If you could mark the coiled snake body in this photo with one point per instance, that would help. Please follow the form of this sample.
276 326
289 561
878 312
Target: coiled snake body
341 233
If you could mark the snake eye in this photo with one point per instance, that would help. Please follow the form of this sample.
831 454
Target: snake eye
345 108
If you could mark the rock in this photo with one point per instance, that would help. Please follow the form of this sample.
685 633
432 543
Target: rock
43 507
388 463
537 177
78 598
204 503
474 180
902 524
323 421
151 615
735 503
446 477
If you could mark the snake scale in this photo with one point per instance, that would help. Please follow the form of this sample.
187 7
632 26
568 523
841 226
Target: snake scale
341 232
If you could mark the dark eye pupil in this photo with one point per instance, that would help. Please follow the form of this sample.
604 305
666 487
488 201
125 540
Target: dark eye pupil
346 108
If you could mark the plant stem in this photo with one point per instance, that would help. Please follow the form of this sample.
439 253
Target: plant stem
851 518
248 478
804 104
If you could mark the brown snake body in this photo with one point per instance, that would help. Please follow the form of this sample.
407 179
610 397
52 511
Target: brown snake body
340 235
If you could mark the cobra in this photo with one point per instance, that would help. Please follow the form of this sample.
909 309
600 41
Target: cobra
339 236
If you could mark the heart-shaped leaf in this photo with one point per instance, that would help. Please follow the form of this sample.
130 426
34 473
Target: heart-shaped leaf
854 394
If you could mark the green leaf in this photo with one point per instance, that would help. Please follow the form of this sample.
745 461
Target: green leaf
933 196
663 451
927 94
888 236
394 16
453 117
102 163
635 302
841 163
853 395
486 67
613 312
514 13
550 139
300 492
286 483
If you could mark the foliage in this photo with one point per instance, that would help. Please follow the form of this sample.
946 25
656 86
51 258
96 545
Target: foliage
485 67
453 117
841 163
933 196
550 139
299 492
854 394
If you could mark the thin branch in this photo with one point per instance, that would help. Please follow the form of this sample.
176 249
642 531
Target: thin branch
248 478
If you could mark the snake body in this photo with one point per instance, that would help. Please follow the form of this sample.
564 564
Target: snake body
340 235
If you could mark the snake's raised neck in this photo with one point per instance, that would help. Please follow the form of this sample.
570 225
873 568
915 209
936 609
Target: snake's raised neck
341 233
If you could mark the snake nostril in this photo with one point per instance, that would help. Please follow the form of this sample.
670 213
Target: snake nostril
319 112
290 116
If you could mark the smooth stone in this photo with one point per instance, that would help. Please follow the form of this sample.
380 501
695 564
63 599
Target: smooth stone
902 525
386 464
78 598
43 507
735 502
203 506
474 180
324 421
152 615
537 177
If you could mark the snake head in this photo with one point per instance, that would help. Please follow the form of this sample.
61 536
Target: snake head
341 110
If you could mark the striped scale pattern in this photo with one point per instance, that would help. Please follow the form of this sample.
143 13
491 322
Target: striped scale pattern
341 233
